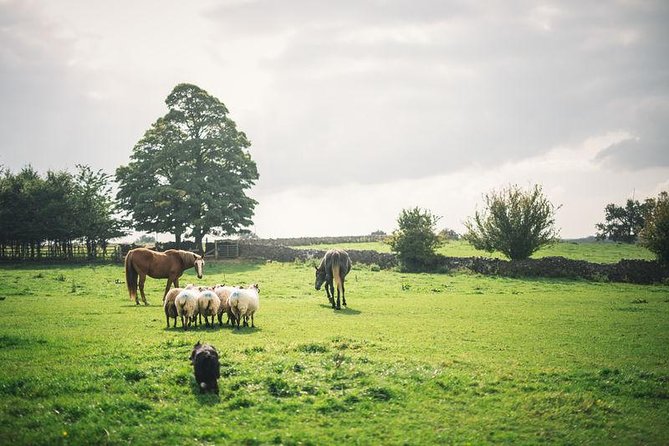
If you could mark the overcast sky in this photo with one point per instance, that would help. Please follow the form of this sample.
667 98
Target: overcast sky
358 109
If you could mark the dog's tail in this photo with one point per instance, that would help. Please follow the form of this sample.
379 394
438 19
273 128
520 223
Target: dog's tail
130 276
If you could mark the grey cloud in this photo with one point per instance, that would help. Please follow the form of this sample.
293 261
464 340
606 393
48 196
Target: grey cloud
486 88
648 146
47 117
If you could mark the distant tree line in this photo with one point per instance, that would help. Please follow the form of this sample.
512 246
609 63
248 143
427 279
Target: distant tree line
518 222
45 216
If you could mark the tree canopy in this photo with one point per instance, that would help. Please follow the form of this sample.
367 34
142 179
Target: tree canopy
415 239
59 209
624 223
189 174
655 234
515 222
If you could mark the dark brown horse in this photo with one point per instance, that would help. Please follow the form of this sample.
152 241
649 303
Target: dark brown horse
333 268
170 265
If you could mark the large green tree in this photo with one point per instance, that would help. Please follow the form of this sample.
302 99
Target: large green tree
189 174
516 222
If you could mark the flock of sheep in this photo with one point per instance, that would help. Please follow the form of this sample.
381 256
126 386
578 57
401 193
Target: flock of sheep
192 303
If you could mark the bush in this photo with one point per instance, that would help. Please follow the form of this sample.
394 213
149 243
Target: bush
515 223
415 240
655 234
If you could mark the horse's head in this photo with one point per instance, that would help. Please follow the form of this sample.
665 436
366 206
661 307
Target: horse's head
199 265
320 278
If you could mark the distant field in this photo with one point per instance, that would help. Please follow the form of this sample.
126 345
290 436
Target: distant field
598 252
415 359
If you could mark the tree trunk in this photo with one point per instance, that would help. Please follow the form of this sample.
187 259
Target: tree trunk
177 240
198 243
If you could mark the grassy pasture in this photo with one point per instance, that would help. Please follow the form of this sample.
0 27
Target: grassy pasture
597 252
415 359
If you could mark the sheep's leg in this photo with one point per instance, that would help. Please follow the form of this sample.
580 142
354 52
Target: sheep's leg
142 279
252 324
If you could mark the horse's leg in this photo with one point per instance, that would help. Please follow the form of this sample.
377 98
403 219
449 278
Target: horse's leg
167 288
343 292
142 279
338 300
327 292
332 293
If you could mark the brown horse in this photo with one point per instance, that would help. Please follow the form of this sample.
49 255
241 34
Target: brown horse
142 262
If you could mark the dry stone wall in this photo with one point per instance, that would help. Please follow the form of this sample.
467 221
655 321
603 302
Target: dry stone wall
630 271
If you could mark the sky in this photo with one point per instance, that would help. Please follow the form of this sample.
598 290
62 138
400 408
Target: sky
358 109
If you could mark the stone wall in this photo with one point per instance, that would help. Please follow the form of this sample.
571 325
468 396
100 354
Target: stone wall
630 271
281 253
305 241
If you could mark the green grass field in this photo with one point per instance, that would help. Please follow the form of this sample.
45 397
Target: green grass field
597 252
414 359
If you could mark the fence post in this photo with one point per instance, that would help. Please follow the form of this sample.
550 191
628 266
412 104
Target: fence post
215 249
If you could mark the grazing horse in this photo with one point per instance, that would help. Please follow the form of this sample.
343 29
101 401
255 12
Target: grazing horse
142 262
334 267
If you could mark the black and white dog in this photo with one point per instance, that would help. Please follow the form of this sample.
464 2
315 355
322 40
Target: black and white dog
206 367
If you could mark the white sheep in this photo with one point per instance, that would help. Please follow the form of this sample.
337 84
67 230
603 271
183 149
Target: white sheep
244 303
187 309
208 303
223 292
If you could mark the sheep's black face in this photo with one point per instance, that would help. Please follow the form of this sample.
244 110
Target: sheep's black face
320 278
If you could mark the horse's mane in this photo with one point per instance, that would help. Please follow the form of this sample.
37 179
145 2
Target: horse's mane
187 257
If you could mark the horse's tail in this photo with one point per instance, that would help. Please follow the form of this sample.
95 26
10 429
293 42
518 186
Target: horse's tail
336 273
130 276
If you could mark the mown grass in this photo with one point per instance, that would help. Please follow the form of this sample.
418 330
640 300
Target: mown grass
415 359
597 252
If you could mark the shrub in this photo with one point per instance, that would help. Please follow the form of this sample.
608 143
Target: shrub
655 234
415 240
515 223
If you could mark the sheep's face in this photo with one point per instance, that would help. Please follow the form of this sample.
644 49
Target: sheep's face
320 278
199 266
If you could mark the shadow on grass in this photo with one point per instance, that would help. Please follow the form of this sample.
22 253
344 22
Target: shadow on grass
197 328
245 330
343 311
